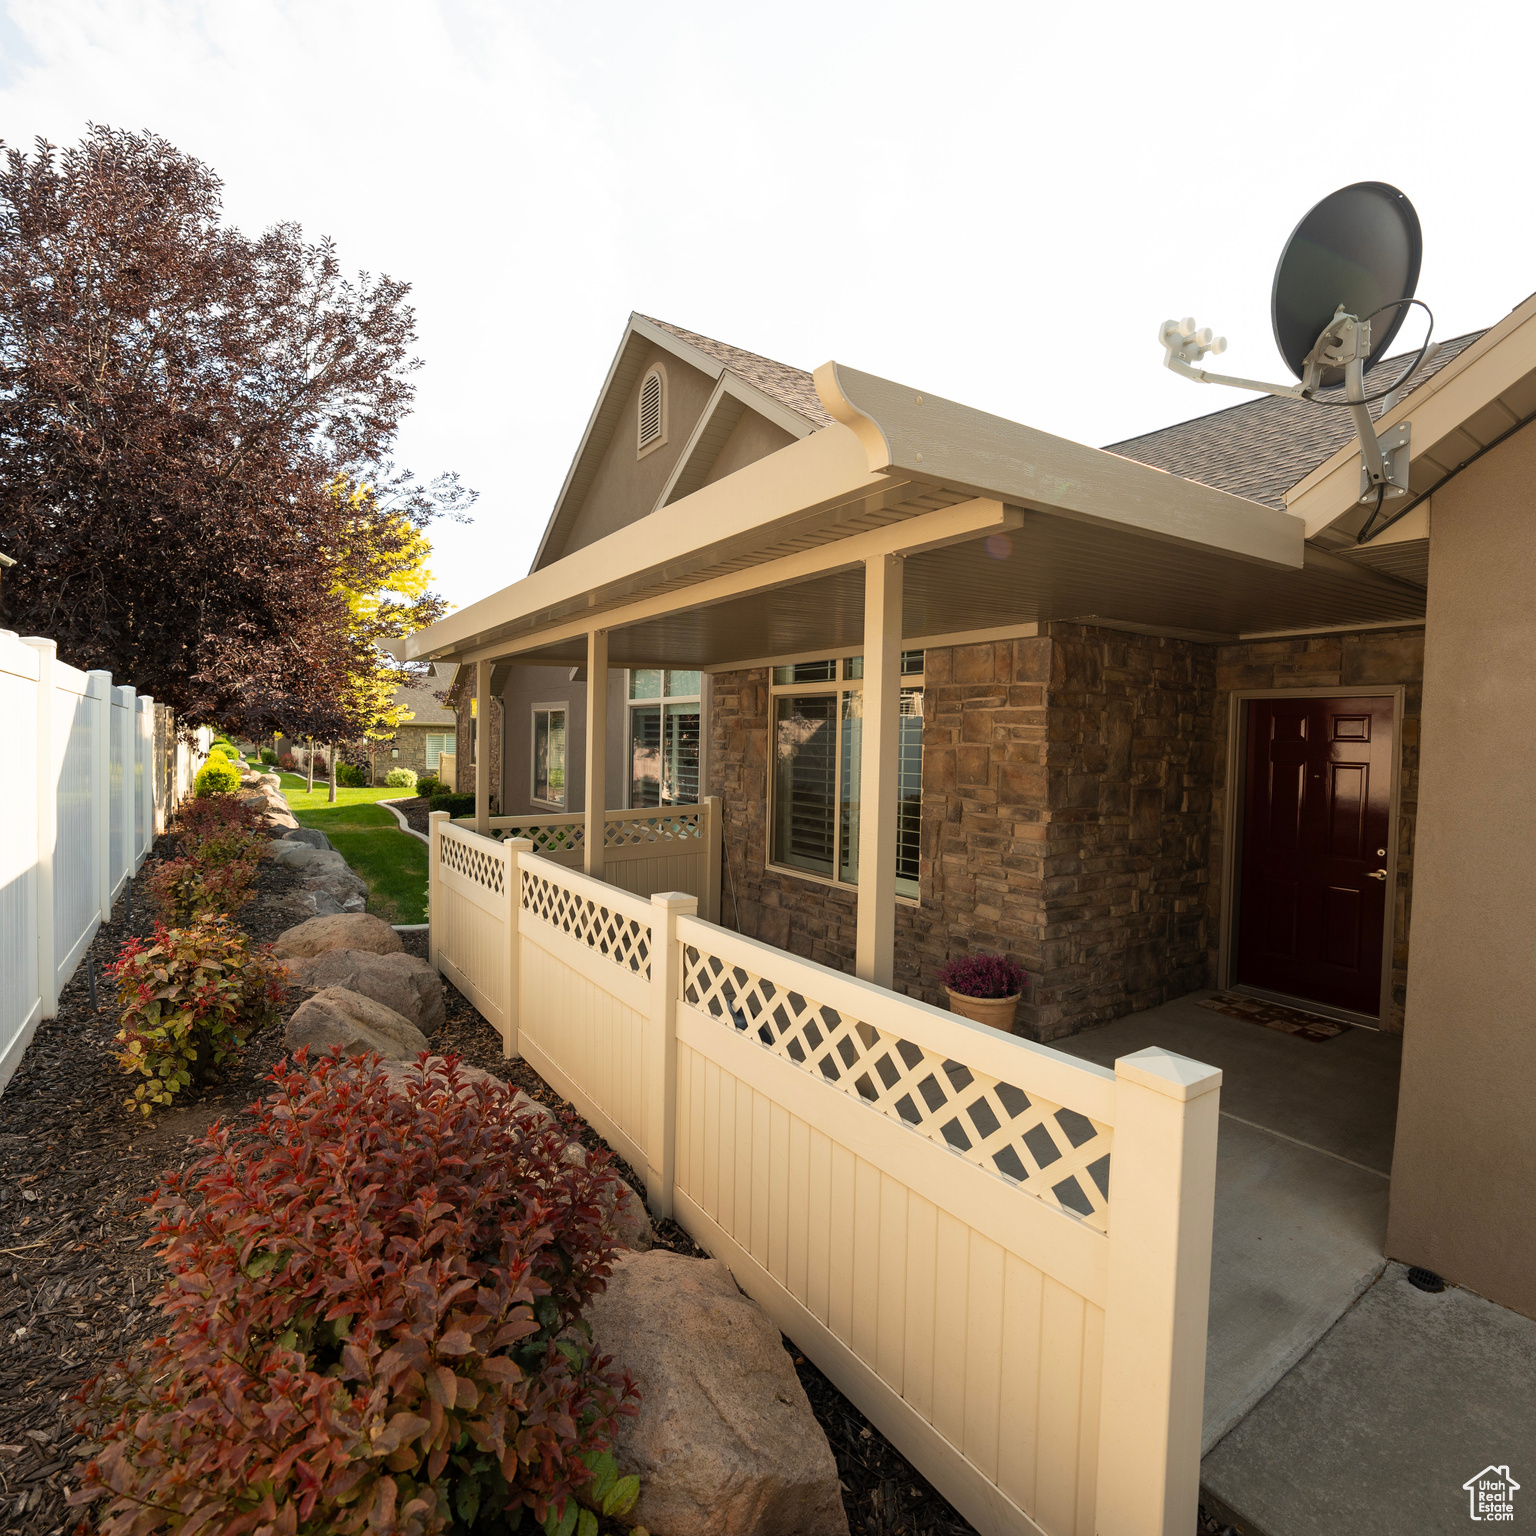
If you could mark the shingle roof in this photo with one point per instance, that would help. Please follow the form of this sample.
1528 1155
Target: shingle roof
423 701
792 387
1260 448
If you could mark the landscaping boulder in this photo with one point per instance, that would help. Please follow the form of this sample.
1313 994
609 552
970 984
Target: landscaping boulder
402 982
313 861
725 1440
307 835
346 930
348 892
356 1023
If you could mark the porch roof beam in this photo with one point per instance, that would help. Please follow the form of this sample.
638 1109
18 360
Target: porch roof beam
959 524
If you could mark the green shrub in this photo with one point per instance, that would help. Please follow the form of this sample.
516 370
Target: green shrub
455 805
400 778
218 776
428 785
350 776
188 1000
268 756
372 1323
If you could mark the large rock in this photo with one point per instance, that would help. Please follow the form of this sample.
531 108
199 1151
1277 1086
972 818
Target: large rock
346 930
356 1023
313 861
348 892
403 982
725 1442
309 836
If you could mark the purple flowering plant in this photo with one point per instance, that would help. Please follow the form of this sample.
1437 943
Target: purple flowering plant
984 976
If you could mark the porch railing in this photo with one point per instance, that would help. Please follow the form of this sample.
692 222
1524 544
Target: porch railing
999 1252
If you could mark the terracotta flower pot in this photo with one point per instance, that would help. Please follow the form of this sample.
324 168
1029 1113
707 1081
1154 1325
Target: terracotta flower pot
996 1011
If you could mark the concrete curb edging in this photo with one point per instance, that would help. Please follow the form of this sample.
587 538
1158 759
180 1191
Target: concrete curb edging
405 826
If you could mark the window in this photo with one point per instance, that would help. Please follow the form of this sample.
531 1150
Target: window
818 709
653 412
549 755
663 737
437 745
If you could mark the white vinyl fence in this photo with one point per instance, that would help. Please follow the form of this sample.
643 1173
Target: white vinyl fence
1000 1253
97 772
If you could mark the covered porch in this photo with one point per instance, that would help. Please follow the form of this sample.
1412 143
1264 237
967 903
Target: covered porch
912 523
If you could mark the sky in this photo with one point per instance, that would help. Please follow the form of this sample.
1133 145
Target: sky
998 203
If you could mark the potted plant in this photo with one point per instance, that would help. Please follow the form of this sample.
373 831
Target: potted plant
985 988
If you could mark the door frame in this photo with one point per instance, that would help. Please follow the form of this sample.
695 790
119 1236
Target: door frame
1233 800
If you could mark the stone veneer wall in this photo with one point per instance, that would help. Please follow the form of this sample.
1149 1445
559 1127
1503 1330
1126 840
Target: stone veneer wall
1363 658
459 700
1066 804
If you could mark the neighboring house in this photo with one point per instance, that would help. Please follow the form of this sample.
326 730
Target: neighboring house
1147 718
431 731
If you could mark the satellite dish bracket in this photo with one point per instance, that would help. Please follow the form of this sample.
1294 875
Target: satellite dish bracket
1344 344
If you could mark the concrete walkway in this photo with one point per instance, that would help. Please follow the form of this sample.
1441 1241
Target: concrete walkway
1408 1397
1338 1398
1301 1184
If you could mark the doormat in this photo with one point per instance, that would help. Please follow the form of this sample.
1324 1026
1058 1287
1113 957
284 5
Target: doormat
1292 1021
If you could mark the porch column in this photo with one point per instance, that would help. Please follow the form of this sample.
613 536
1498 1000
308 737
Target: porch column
876 942
482 737
597 748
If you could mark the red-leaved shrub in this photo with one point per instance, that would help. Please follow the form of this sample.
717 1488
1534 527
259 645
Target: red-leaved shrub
214 815
374 1322
183 890
188 1000
288 763
984 976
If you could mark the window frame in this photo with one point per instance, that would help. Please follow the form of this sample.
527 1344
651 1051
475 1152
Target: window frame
836 686
447 739
657 371
661 701
534 711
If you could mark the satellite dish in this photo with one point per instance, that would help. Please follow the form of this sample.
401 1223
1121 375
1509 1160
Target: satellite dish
1359 248
1342 287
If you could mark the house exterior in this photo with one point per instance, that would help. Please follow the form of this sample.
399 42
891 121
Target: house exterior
420 741
1147 718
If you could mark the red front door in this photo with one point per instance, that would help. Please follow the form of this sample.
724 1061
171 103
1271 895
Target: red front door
1314 885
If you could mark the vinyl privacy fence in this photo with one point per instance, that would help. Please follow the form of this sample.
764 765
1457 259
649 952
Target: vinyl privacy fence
95 772
1000 1253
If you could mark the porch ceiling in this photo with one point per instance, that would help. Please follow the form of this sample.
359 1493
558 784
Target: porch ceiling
1000 525
1046 568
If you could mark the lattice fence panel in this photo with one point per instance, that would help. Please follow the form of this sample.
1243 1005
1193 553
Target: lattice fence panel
475 864
664 827
624 940
1053 1152
563 837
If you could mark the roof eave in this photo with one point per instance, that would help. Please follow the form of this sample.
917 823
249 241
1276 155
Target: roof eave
1500 358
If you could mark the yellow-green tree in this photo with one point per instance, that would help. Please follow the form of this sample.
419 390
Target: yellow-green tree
386 586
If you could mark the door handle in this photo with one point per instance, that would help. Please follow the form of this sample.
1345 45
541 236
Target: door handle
1376 874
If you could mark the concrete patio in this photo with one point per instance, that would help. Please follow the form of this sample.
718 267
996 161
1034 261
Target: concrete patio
1337 1396
1301 1183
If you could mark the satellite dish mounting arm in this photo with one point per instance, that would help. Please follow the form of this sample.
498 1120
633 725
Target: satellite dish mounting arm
1345 344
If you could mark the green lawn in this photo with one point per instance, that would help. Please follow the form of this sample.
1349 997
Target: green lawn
369 838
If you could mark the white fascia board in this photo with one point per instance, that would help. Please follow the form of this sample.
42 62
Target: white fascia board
912 433
1468 383
821 471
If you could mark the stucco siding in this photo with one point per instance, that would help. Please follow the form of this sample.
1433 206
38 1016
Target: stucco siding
1464 1173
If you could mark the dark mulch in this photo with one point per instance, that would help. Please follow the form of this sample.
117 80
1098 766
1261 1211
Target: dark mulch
74 1278
414 810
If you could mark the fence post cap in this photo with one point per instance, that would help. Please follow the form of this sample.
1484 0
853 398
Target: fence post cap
1166 1072
439 816
675 901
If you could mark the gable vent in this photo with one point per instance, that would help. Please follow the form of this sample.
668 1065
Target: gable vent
650 409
